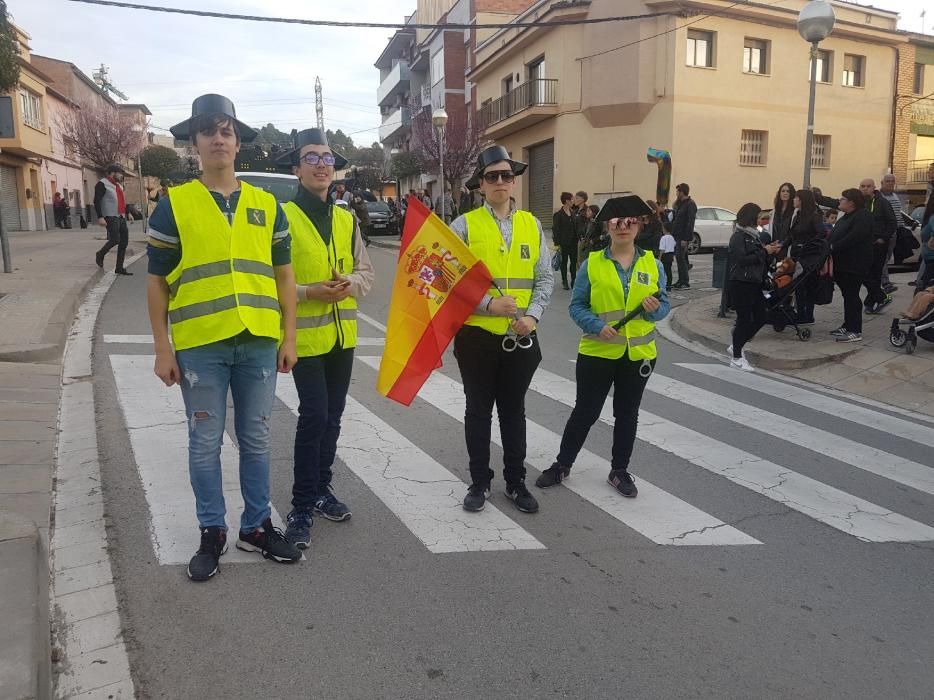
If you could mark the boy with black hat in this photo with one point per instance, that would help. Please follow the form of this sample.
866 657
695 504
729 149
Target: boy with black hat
497 350
220 271
333 271
619 296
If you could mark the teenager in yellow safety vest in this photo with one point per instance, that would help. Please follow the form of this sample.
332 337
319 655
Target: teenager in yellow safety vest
220 272
618 297
333 271
497 349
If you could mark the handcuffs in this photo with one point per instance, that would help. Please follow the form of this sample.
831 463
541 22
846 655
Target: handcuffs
512 341
645 369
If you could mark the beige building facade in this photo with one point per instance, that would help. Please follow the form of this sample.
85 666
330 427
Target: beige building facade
726 95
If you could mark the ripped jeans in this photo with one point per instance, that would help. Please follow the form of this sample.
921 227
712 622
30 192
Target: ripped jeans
245 364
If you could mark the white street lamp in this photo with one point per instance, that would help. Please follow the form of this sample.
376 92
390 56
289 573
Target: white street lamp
815 22
440 119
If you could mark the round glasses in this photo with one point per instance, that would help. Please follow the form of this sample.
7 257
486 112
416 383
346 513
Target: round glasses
504 175
314 159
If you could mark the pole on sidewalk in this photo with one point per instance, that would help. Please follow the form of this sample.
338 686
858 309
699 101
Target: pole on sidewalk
5 247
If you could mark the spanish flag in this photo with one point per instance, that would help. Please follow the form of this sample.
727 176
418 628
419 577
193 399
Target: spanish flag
438 284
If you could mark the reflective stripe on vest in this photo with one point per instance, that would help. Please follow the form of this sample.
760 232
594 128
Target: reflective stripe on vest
609 303
321 326
225 282
513 270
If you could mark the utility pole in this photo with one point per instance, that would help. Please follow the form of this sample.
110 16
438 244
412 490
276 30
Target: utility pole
319 103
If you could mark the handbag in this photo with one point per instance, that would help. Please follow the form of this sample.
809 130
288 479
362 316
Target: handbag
556 260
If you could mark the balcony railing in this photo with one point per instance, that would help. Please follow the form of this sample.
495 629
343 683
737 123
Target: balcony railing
532 93
394 123
918 170
396 81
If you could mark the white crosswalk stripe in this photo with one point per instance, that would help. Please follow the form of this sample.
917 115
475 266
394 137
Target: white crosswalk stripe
870 459
425 496
656 514
816 401
840 510
158 430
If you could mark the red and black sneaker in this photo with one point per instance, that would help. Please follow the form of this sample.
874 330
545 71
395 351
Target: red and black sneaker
205 563
622 481
270 542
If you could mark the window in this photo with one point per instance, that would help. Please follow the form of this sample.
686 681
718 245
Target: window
919 79
824 66
700 49
755 56
853 70
724 215
437 67
752 147
706 214
820 151
507 85
32 109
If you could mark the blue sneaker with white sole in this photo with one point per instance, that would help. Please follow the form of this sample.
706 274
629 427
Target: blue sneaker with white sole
328 506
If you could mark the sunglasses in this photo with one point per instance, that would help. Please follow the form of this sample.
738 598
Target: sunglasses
624 222
314 159
506 176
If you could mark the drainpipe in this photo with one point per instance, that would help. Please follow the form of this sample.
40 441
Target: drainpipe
898 65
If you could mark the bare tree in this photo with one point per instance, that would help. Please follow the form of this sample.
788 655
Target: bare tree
461 146
102 135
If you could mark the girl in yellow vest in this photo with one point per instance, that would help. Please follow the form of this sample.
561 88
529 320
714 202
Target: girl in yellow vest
219 270
497 349
618 283
333 271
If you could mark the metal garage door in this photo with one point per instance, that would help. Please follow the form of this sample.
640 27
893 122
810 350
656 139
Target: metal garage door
9 204
541 181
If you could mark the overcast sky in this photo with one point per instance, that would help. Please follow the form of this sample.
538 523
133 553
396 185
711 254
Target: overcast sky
268 70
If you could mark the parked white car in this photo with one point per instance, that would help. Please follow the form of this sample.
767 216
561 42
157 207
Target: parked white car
282 186
712 228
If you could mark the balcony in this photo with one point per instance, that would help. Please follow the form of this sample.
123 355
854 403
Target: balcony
918 171
529 103
395 83
395 123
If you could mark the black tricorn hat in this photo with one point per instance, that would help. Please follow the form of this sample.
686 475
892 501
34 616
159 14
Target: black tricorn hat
493 154
309 137
212 104
622 207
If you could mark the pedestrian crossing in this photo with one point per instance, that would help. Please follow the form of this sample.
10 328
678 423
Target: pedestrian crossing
426 496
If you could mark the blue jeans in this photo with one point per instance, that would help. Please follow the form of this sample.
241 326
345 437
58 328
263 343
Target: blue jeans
246 365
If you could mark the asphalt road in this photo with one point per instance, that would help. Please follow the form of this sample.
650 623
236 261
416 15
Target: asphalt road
801 608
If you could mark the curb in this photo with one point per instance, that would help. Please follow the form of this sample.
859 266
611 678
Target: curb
392 244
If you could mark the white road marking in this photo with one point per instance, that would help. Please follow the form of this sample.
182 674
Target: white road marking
845 512
372 321
425 496
870 459
819 402
158 429
656 514
373 342
142 339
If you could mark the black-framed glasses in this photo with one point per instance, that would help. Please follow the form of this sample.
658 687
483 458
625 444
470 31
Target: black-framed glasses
314 159
506 176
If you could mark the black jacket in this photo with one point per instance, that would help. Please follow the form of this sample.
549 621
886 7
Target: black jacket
884 222
780 224
650 237
682 227
749 260
562 229
851 243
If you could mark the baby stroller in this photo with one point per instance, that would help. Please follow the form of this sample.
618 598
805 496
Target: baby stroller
811 257
905 332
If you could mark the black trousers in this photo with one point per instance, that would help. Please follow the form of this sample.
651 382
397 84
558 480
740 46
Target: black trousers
322 383
117 235
849 285
681 253
595 376
493 376
873 282
805 294
747 300
568 258
667 259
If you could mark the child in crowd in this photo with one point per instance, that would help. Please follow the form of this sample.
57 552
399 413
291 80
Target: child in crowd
667 248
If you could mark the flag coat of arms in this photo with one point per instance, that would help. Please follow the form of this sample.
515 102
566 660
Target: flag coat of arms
438 284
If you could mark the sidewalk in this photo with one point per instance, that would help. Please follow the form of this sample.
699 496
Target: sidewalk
38 301
872 368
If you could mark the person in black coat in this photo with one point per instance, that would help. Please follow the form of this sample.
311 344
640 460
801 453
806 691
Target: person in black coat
884 226
806 225
782 209
564 235
851 244
682 228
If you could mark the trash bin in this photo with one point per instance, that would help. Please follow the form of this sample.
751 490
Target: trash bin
720 258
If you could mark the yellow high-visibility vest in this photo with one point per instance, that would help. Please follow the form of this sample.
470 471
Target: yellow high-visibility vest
320 326
610 303
513 268
225 283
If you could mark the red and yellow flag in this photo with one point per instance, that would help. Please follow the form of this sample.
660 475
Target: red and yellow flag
438 284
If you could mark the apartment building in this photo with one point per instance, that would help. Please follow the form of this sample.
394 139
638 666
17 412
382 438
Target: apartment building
913 142
722 86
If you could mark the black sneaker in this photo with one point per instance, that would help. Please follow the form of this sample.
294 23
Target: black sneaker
622 481
552 476
519 494
889 288
476 497
328 506
298 528
205 562
837 332
123 272
99 259
270 542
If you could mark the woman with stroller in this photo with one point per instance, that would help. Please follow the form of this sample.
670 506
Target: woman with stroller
748 265
806 227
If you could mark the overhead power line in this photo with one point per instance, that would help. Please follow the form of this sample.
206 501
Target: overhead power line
377 25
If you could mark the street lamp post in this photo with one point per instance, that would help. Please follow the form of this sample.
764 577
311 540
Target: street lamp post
815 22
143 195
440 119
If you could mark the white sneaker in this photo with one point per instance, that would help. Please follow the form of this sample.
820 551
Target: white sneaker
729 351
741 363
